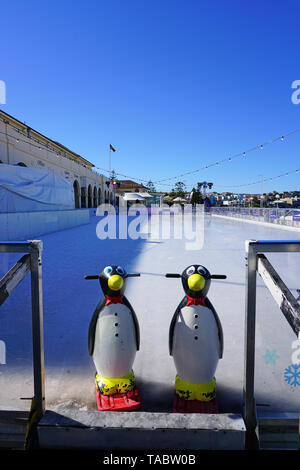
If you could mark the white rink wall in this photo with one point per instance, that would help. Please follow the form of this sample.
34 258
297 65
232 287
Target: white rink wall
28 225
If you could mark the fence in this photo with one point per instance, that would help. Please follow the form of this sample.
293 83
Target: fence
287 217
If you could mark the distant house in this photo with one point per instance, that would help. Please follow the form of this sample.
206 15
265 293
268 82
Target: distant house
129 186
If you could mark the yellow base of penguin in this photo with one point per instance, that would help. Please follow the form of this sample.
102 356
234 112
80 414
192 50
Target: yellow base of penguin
111 386
200 392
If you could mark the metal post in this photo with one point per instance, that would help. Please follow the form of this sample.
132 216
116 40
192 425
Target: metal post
37 327
249 355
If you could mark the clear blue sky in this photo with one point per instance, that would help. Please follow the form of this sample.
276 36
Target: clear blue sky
172 85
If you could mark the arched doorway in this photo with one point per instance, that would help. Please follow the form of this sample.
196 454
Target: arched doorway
76 194
83 198
89 196
95 197
106 198
99 196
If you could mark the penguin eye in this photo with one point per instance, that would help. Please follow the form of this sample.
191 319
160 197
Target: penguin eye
108 270
201 270
120 271
190 270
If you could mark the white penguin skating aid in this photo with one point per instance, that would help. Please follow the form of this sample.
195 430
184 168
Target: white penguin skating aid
113 342
196 343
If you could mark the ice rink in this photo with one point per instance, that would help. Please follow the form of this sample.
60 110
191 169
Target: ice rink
69 302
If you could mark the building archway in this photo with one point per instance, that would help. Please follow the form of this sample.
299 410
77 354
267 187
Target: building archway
95 197
76 194
105 196
83 198
99 196
89 196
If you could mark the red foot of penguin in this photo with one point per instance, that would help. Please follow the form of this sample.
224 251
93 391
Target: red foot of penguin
129 401
180 405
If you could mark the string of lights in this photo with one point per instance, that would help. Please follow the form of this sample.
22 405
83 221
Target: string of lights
263 180
232 157
38 144
217 163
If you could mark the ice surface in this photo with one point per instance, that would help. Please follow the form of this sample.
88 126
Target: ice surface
69 302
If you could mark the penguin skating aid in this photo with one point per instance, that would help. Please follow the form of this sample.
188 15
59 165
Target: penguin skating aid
196 343
113 341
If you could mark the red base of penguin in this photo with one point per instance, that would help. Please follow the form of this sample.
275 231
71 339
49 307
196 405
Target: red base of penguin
180 405
129 401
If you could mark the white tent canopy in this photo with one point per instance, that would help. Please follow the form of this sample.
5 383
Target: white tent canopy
133 197
179 199
145 195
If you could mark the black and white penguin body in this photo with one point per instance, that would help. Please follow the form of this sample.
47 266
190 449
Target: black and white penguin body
114 330
195 335
196 342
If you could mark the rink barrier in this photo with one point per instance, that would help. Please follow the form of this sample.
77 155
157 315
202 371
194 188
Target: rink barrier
279 218
256 261
27 225
30 262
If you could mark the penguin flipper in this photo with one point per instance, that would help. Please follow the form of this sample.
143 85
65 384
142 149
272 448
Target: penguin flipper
135 321
173 323
219 325
93 323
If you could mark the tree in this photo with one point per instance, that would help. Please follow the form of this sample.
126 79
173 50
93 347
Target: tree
179 189
113 175
150 186
196 197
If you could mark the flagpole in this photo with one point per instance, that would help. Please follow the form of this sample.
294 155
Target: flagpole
109 161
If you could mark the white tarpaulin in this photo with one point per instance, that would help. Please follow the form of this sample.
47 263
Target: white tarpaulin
24 189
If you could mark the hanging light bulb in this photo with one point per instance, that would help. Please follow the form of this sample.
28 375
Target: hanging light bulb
261 146
282 137
244 154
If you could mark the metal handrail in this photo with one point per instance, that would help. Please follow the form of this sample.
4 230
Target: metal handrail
31 262
289 307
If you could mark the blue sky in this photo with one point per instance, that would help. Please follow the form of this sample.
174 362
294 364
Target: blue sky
172 85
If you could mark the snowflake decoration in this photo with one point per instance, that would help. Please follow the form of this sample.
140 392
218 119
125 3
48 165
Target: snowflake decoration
292 375
270 357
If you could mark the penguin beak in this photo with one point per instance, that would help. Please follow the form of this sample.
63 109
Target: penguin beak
115 282
196 282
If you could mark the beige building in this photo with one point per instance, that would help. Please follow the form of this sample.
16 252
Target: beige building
129 186
21 145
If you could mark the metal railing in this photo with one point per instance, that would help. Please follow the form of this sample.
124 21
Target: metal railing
32 262
288 217
257 262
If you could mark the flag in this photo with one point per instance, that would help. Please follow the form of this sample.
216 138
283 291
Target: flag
111 148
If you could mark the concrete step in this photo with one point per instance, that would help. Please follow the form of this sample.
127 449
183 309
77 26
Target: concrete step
13 426
140 431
